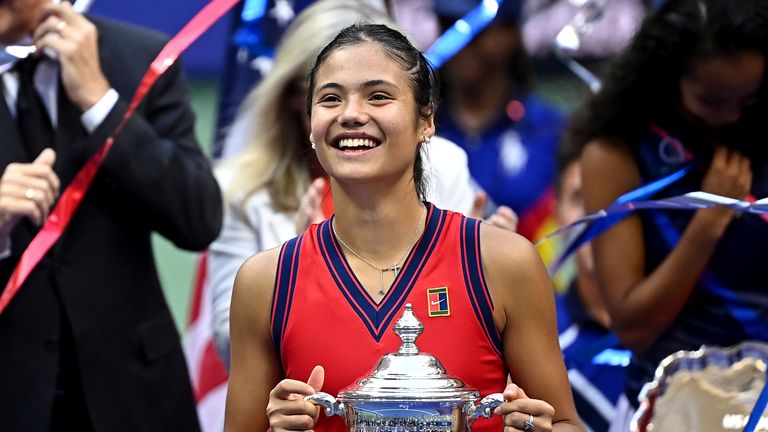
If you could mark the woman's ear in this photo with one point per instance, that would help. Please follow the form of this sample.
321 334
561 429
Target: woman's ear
428 126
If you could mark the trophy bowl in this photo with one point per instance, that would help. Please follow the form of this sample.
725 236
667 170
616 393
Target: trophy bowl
712 389
408 391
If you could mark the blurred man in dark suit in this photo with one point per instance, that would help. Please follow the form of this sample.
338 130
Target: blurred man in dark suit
88 343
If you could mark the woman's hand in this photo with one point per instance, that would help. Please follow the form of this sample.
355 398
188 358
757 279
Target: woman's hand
287 410
729 175
311 206
504 217
524 414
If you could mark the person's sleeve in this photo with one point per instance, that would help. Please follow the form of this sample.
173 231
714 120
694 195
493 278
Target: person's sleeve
239 239
451 186
157 164
92 118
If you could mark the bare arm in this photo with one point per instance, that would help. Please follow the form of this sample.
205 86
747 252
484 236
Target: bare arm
257 398
255 367
643 305
524 312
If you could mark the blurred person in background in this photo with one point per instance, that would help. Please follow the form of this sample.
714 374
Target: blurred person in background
583 322
510 135
688 93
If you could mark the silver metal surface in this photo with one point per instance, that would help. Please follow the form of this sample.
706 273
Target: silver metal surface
712 389
408 391
569 39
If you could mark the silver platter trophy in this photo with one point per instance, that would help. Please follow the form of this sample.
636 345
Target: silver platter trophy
710 390
408 391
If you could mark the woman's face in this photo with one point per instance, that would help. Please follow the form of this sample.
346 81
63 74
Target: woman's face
719 88
364 120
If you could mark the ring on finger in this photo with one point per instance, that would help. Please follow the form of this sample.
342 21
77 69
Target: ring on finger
528 425
60 26
30 193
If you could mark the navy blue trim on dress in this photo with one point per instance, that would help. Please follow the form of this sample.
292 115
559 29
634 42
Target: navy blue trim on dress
377 317
474 279
285 284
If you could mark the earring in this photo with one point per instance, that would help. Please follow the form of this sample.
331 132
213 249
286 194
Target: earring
314 147
427 140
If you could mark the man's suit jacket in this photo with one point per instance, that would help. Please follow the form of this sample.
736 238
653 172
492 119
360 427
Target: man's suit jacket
101 274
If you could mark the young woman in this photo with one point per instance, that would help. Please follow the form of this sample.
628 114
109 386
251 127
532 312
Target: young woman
330 296
688 96
274 185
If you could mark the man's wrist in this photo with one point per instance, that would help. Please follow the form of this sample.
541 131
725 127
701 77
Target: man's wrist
94 116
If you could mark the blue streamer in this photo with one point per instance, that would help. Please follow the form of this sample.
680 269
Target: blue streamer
253 10
249 34
758 410
462 32
613 357
601 225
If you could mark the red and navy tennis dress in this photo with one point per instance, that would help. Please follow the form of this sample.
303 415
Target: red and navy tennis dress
321 314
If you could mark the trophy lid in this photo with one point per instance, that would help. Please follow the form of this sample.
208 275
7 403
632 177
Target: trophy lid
409 374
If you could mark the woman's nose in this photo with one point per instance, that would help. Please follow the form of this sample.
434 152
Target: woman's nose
354 113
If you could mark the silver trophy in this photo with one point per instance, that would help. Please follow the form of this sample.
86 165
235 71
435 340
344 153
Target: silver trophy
408 391
712 389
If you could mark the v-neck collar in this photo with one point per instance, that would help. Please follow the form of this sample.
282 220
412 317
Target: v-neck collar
377 316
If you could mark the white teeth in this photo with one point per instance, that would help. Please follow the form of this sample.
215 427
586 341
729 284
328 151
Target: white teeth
356 142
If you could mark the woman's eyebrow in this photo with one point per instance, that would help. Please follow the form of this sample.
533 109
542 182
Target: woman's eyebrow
378 82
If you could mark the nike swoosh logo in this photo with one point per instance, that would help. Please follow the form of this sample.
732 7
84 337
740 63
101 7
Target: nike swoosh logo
436 302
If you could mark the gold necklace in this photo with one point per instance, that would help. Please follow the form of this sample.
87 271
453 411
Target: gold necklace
396 266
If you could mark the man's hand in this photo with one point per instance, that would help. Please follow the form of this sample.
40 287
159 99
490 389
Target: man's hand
75 40
28 189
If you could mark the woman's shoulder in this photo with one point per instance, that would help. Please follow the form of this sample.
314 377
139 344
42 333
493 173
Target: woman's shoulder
606 152
257 274
505 248
513 267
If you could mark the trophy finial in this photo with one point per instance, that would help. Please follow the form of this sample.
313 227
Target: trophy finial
408 328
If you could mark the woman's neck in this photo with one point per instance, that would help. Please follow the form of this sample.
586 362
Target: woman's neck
378 225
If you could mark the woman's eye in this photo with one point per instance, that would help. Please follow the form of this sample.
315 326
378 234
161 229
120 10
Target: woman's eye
380 97
328 99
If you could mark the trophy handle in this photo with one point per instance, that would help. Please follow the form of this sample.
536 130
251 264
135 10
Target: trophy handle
331 405
486 406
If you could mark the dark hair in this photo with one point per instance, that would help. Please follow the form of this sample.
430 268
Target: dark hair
519 66
420 74
642 85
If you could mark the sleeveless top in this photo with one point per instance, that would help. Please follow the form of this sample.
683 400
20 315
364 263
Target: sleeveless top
730 302
321 314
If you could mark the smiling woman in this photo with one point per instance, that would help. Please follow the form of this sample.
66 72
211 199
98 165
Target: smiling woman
372 107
